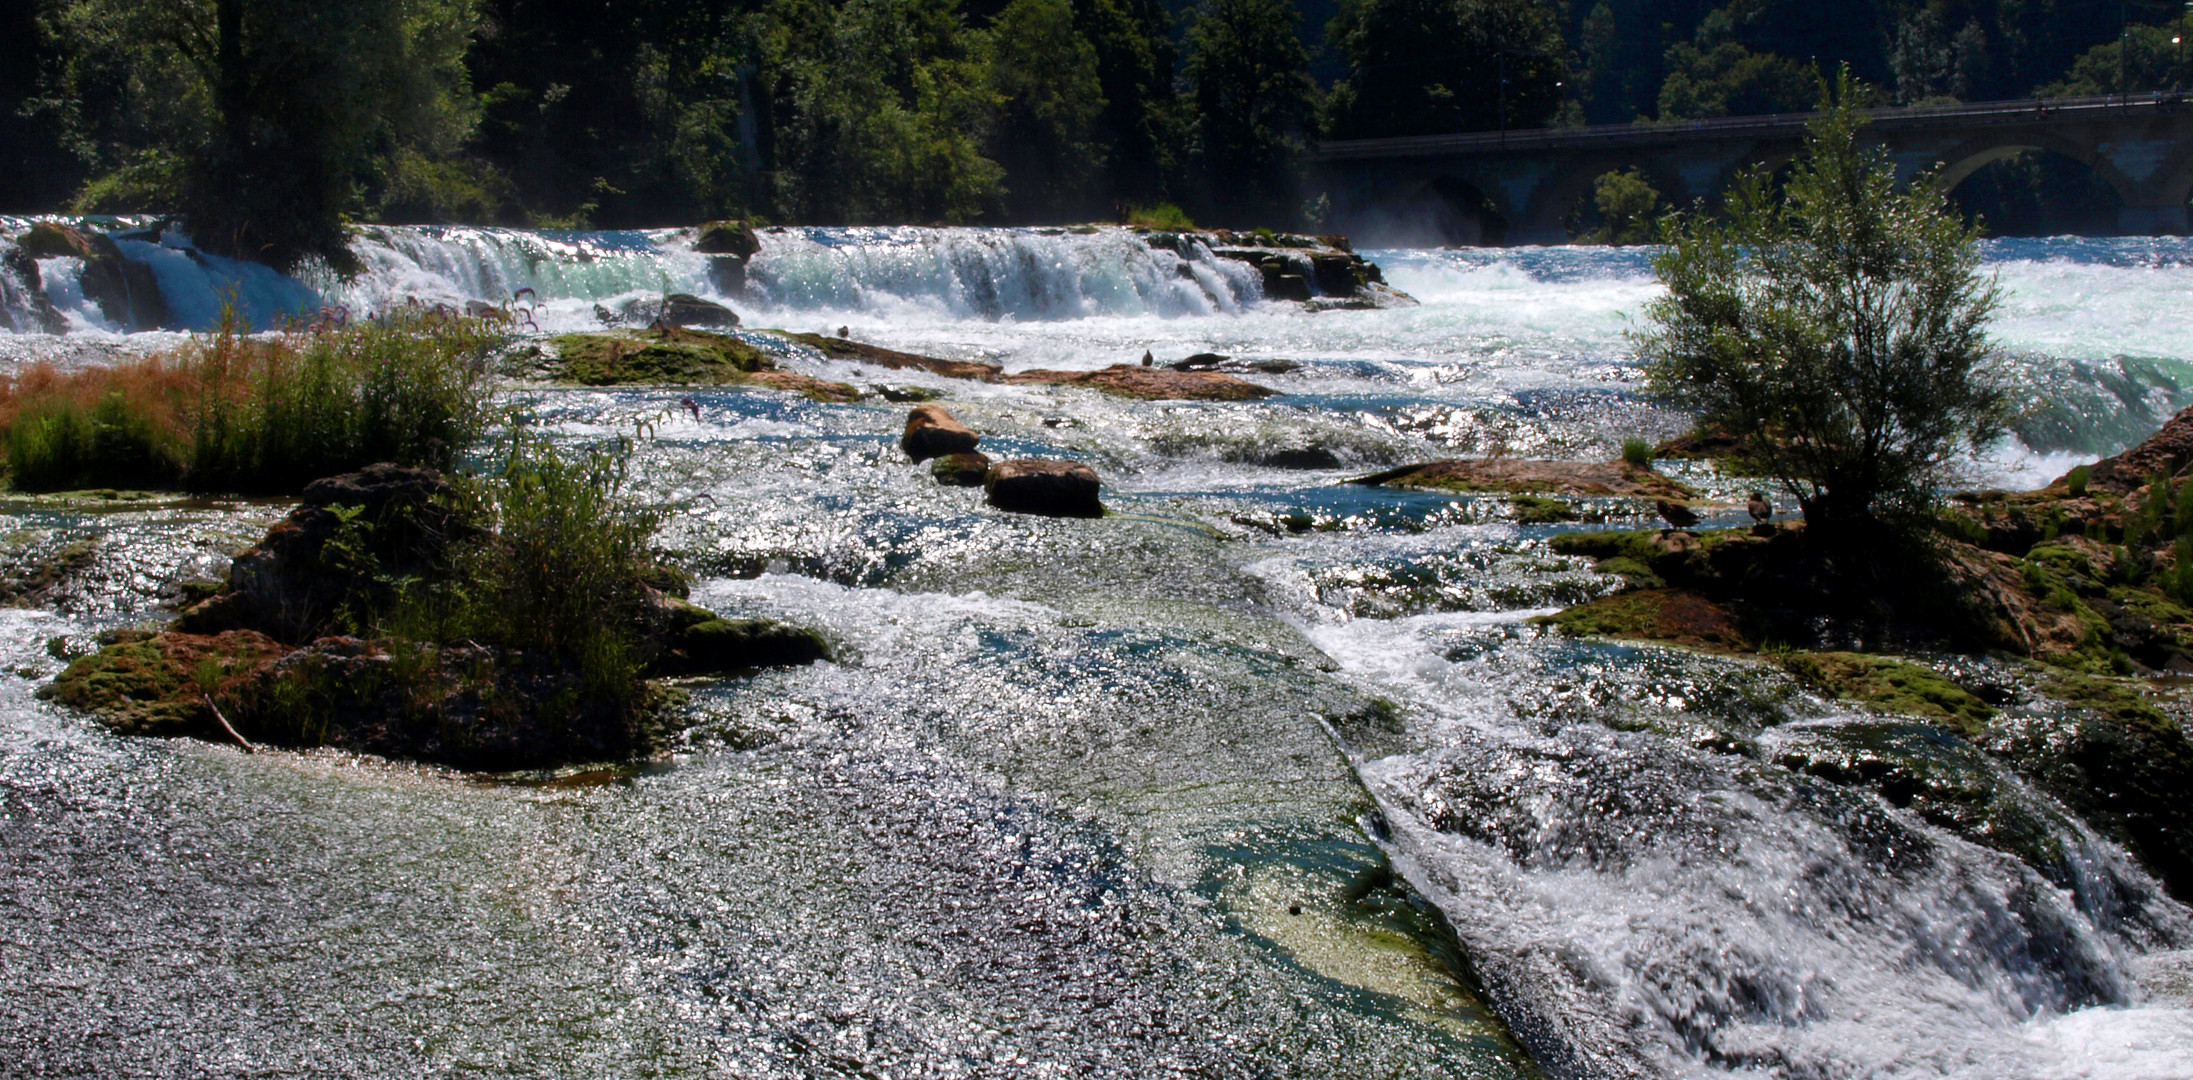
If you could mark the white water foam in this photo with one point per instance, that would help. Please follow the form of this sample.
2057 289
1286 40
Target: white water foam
1647 909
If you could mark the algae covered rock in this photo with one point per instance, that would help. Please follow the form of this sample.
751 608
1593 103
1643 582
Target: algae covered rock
961 470
141 683
674 356
840 348
357 623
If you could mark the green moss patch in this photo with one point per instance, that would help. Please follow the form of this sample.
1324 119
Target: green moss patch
674 356
141 684
1676 616
1532 510
1890 686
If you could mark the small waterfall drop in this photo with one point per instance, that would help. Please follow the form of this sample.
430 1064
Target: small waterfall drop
1021 274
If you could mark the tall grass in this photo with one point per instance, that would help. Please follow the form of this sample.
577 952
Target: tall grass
557 564
265 414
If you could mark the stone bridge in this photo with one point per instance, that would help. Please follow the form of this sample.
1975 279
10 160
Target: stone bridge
1517 187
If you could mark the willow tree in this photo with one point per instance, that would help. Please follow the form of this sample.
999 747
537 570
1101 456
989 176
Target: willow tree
1837 327
265 122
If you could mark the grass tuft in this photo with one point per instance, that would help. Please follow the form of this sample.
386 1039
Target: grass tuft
265 414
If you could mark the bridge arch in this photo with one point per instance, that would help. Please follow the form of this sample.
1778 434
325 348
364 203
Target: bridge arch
1956 163
1447 208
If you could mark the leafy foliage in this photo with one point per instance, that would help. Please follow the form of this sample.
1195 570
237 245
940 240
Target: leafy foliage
1838 327
1426 67
1254 101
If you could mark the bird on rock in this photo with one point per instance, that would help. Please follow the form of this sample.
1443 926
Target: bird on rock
1677 514
1147 359
1760 508
845 331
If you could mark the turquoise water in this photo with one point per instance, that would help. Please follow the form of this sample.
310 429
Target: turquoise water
1261 776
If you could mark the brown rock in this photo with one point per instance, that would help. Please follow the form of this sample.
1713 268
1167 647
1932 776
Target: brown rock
1050 488
933 432
838 348
733 238
1518 476
1151 383
2165 453
961 470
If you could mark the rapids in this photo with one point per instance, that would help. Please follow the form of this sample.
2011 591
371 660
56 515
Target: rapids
1261 776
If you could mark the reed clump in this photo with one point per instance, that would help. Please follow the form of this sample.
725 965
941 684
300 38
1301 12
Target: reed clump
254 414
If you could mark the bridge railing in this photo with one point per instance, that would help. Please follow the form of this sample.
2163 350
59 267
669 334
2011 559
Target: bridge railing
2024 110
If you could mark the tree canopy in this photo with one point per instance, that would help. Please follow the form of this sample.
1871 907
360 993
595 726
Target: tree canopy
1837 327
271 125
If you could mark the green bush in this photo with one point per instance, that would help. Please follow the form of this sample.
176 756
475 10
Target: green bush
1637 452
558 565
1163 216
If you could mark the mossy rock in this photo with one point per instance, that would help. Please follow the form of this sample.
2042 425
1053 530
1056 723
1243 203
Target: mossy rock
676 356
146 684
2123 763
1890 686
1674 616
1533 510
672 357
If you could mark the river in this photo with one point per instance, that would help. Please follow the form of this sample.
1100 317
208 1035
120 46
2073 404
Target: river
1261 776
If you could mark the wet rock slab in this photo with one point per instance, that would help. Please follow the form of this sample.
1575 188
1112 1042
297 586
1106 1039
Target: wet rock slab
1521 476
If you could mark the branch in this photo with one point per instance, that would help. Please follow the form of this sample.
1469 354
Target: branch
240 740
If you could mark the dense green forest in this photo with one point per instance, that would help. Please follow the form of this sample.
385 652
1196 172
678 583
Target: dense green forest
271 123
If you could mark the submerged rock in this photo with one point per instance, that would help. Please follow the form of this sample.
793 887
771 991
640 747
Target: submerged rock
718 645
932 431
961 470
839 348
1150 383
1518 476
1050 488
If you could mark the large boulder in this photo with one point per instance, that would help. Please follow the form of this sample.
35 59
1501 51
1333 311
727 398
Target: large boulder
293 588
931 431
127 292
43 315
1050 488
2166 453
733 238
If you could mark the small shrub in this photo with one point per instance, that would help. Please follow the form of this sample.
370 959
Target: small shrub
1163 216
1637 452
